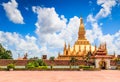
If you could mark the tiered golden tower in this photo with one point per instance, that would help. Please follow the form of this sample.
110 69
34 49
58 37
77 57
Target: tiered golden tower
80 48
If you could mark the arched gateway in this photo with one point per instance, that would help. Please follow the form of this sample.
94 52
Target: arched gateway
102 64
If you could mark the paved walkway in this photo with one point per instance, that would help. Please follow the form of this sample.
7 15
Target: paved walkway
60 76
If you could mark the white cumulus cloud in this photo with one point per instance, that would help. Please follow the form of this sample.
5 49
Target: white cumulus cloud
106 8
96 34
20 44
49 26
12 12
53 30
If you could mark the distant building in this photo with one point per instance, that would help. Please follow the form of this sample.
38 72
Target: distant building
118 56
23 58
44 57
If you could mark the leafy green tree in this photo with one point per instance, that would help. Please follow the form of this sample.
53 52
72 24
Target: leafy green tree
73 60
88 56
52 58
5 54
41 62
34 58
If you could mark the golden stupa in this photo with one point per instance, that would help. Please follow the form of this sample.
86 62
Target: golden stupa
81 47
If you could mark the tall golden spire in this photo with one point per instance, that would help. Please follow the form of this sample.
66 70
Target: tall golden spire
81 33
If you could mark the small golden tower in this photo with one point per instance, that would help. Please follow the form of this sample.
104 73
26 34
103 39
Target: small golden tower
65 48
69 52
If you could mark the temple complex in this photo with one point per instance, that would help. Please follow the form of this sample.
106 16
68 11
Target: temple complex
80 48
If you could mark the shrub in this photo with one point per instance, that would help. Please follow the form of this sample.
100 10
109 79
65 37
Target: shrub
85 67
42 67
30 65
37 64
70 67
0 68
118 67
81 66
10 66
51 67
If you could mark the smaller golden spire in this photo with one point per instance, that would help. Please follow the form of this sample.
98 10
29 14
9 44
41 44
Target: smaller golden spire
68 46
74 51
65 49
69 52
65 46
74 48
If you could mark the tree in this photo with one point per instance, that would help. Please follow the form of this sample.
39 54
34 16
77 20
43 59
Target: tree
73 61
5 54
41 62
52 58
34 58
88 56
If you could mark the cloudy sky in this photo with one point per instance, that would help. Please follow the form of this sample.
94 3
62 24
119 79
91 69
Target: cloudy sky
42 26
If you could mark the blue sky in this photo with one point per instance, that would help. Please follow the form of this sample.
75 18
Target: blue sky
42 26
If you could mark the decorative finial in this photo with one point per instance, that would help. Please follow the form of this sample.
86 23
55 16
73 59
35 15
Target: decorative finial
81 20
